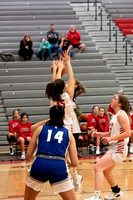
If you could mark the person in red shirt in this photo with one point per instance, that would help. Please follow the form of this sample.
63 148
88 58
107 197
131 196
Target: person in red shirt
131 141
91 120
92 125
74 38
23 130
11 137
102 124
111 110
102 121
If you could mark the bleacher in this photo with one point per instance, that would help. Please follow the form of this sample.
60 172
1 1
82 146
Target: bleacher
22 84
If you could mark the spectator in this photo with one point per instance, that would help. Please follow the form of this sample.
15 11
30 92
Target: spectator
92 125
23 130
64 45
53 37
26 50
110 111
45 49
11 137
74 38
102 124
131 140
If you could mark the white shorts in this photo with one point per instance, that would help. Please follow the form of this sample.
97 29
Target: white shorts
119 151
57 188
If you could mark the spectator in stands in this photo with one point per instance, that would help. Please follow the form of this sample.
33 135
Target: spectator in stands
12 135
64 45
53 37
45 49
23 130
92 125
110 111
102 124
26 50
131 140
74 38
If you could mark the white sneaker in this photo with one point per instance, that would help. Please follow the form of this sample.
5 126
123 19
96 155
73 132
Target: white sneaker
131 149
77 182
113 195
94 197
11 151
97 151
22 157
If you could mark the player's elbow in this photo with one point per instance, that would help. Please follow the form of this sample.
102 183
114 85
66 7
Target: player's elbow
74 163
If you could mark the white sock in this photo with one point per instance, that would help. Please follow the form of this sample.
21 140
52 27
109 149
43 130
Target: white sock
131 144
23 152
98 148
97 193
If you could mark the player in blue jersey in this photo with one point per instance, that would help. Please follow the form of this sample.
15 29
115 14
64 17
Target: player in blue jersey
49 164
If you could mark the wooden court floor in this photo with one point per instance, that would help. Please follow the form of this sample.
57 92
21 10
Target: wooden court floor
13 175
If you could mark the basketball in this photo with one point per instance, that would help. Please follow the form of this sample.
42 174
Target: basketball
83 127
86 137
84 117
63 71
81 137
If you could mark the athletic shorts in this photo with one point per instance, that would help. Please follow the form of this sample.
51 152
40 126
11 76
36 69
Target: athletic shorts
76 45
119 151
54 171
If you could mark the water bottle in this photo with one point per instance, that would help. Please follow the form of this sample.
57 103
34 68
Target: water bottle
90 149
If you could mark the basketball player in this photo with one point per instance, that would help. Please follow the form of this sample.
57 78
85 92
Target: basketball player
49 164
117 137
60 93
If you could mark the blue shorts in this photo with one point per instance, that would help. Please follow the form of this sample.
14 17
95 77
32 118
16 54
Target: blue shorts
49 170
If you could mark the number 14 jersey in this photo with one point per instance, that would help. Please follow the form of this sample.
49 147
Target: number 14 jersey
53 141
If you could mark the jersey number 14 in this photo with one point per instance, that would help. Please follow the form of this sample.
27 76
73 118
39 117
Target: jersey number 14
58 136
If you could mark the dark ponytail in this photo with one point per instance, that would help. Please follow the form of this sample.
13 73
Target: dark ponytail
56 116
55 89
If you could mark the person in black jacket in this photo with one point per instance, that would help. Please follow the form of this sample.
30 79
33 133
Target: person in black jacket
53 37
26 50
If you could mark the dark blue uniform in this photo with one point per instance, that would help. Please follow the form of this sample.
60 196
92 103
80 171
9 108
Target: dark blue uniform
50 163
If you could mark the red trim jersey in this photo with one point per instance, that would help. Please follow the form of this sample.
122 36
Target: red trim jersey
102 123
12 125
24 130
115 128
91 121
132 122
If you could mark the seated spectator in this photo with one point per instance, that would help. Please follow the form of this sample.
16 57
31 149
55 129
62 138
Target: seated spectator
102 124
23 130
26 50
74 38
131 140
92 125
110 111
53 37
64 45
11 137
45 49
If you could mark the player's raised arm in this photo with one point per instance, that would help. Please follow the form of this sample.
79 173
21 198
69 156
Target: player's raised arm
71 80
